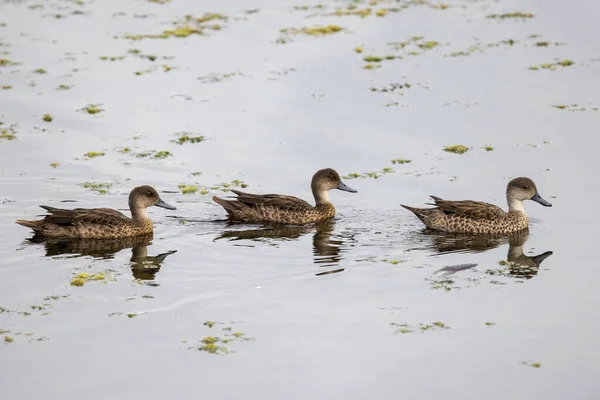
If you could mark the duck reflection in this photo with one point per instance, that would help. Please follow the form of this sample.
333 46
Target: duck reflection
519 264
143 266
327 251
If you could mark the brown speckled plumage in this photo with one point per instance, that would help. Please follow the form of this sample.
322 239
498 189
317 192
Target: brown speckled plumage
475 217
100 223
280 209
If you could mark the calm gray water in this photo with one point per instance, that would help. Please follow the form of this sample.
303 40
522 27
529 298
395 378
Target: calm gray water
368 306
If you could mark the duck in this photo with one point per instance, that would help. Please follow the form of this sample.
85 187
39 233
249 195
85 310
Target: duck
100 223
476 217
282 209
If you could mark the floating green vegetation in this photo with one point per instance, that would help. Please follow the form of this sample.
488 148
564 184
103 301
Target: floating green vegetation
428 45
162 154
535 364
4 62
197 173
186 137
8 339
442 284
457 149
116 58
92 109
64 87
94 154
7 133
188 189
6 87
392 87
402 327
515 15
393 262
218 77
372 174
47 118
400 161
131 315
154 154
209 345
83 277
98 187
372 66
54 165
359 49
414 43
306 8
407 328
542 44
490 323
574 107
489 148
124 150
317 31
208 17
40 71
372 59
215 344
552 66
179 32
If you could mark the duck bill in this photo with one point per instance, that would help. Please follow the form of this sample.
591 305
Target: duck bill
345 188
162 204
538 199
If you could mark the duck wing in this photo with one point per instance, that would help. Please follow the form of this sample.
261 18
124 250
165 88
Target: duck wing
100 216
270 200
469 208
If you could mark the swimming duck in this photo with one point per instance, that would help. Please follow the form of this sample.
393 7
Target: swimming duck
475 217
277 208
100 223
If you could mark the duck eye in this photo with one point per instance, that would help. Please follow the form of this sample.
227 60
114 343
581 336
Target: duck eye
525 187
149 193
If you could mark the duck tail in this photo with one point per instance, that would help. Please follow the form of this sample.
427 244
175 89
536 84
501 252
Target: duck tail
227 205
35 225
411 209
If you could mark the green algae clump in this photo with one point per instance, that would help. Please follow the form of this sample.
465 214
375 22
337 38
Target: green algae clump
489 148
179 32
457 149
370 59
94 154
78 282
54 165
314 31
7 134
8 339
516 14
4 62
185 137
188 189
99 187
400 161
47 118
565 63
162 154
92 109
428 45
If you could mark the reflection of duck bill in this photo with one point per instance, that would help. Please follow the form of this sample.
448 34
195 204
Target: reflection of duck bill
541 257
161 257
